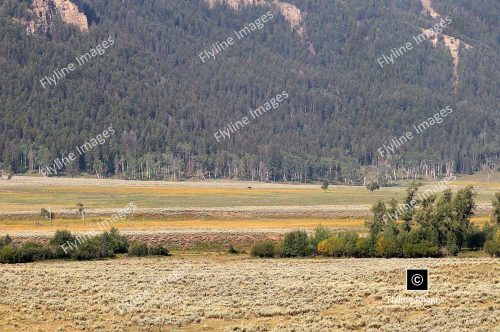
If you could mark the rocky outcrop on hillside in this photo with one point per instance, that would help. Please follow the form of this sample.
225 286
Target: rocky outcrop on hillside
291 13
43 13
451 43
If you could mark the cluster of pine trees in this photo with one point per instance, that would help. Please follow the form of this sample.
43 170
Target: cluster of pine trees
165 104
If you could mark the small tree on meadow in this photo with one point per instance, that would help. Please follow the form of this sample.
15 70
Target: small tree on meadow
81 210
373 186
325 185
44 213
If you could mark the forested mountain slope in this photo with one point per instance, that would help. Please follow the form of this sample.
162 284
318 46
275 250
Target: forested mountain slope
165 104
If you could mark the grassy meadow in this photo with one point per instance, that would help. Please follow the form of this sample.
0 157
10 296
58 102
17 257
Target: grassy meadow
34 198
21 197
26 194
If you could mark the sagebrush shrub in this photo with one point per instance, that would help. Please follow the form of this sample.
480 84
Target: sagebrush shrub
93 249
158 250
12 255
37 251
138 249
264 248
61 237
114 241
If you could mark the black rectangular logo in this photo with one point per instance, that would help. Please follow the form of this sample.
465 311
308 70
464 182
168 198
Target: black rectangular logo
417 279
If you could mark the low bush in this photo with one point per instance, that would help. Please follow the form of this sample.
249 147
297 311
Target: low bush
106 245
158 250
5 240
11 255
323 248
295 244
492 246
339 245
138 249
320 233
350 240
387 246
264 248
423 248
363 247
102 246
61 237
119 244
37 251
336 246
475 238
94 249
59 253
29 252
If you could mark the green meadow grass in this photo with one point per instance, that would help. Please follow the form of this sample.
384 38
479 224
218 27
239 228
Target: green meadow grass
34 198
24 198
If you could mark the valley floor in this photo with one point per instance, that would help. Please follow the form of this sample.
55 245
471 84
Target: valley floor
237 293
202 288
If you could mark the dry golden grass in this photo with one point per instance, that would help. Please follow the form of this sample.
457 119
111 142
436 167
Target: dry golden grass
90 224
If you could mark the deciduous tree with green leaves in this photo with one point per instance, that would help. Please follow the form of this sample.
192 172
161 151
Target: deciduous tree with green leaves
496 209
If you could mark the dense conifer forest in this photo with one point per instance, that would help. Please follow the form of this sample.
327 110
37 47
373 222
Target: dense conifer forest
165 104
